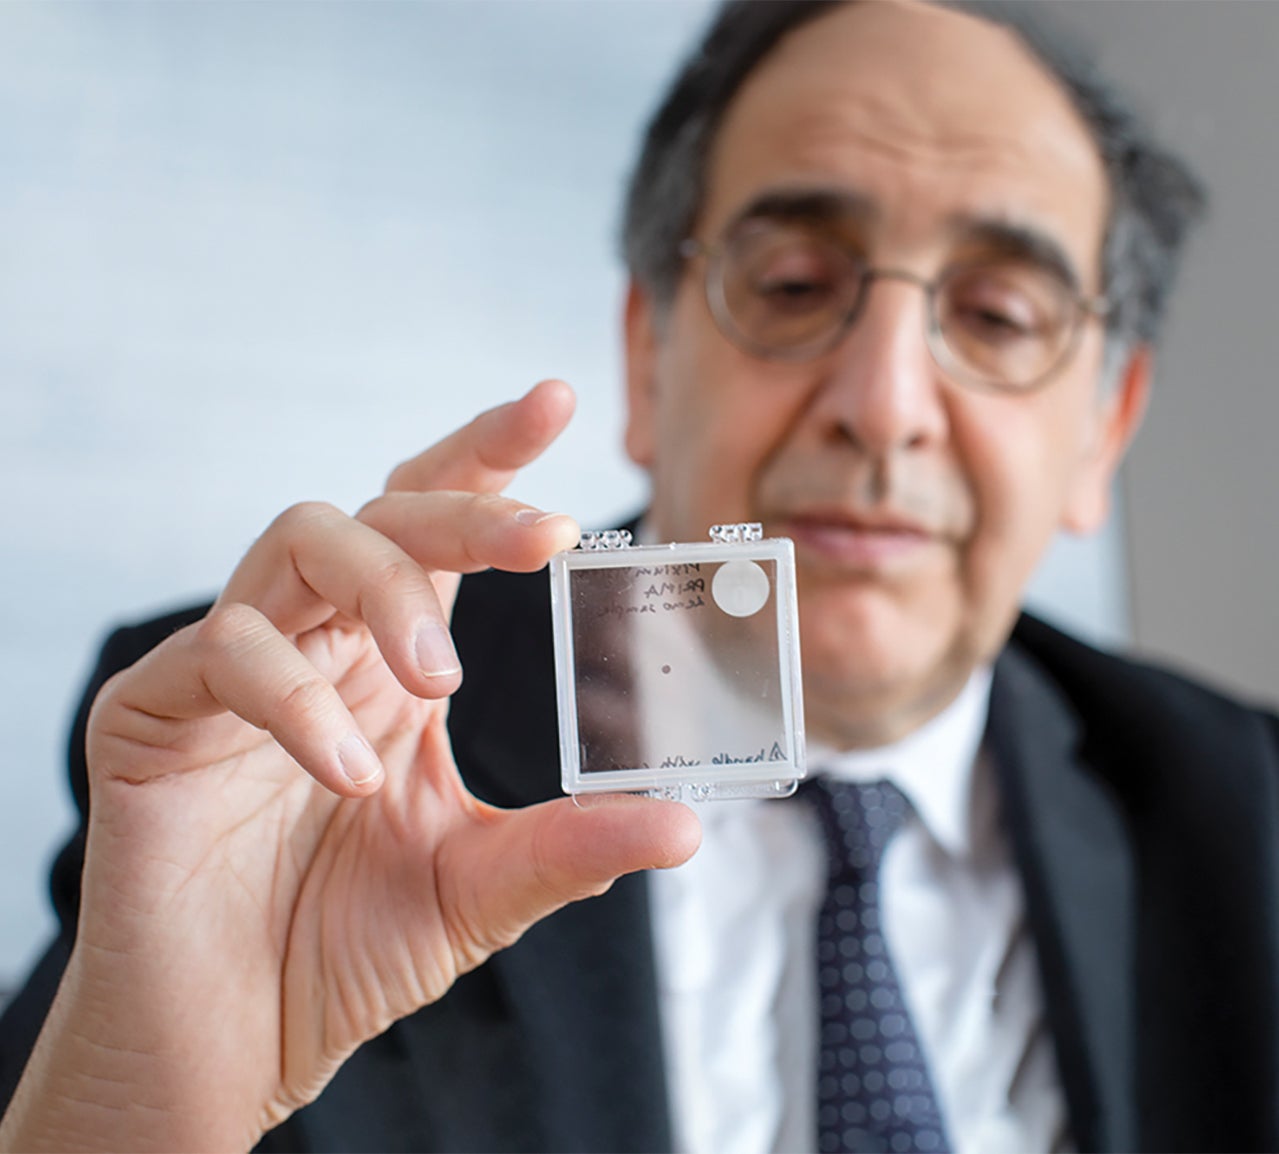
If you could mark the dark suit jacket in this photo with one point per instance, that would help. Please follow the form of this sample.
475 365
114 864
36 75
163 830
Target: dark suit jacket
1144 817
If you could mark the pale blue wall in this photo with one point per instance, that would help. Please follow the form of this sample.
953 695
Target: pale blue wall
254 253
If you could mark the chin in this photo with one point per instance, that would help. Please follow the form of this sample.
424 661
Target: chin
859 710
856 683
871 630
872 672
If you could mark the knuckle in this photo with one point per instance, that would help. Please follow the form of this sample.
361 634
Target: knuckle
228 626
397 574
379 512
107 695
486 518
394 578
306 703
302 517
547 877
400 477
492 503
368 512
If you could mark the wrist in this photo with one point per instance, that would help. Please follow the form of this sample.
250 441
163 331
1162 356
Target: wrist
92 1084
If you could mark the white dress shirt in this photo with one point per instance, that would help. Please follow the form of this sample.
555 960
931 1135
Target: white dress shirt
735 932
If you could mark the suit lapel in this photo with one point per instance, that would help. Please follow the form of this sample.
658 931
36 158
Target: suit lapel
583 988
1068 836
580 985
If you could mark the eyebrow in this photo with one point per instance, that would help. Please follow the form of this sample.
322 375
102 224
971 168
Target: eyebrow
834 207
1022 242
816 205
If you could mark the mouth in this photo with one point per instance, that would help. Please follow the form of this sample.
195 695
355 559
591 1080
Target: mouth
869 542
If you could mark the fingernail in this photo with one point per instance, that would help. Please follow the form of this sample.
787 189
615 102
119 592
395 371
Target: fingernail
534 516
358 761
434 650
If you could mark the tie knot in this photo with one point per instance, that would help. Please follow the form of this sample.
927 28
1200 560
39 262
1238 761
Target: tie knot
858 820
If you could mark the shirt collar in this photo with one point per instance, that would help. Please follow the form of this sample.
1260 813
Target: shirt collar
933 766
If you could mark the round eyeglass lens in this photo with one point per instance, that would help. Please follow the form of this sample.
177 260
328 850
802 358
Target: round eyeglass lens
1007 323
785 291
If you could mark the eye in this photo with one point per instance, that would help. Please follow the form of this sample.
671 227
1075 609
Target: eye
999 305
991 322
794 276
785 287
793 292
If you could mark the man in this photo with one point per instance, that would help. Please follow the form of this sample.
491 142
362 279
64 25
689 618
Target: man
895 284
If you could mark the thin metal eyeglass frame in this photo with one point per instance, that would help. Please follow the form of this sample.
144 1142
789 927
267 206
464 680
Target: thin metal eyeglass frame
1085 307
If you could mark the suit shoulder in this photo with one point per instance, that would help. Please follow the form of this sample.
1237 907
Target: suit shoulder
1134 695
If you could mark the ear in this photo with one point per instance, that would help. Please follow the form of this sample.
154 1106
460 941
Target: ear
1120 416
641 376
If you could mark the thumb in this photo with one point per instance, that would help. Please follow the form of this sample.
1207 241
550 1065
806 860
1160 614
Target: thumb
520 865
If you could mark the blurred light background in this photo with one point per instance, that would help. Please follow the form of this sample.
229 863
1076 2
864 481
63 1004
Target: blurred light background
257 253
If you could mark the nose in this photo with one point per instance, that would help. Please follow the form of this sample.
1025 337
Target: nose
881 387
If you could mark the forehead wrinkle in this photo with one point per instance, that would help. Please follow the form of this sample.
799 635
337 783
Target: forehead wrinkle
931 112
875 126
816 137
993 183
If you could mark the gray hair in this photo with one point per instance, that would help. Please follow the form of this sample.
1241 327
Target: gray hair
1155 196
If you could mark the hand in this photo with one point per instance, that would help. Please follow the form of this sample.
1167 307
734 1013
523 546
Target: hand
246 925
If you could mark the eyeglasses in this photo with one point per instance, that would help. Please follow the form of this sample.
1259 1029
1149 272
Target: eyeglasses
786 292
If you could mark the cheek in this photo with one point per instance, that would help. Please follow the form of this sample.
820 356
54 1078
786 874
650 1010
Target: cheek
1020 467
718 423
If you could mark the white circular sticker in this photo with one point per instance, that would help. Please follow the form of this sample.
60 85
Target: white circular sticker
740 588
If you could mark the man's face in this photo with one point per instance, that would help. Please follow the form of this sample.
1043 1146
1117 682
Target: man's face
918 506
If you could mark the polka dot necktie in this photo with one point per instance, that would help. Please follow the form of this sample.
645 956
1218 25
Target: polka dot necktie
873 1087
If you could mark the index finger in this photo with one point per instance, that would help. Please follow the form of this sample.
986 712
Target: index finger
485 455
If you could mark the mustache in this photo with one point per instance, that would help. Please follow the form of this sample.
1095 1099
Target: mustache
896 492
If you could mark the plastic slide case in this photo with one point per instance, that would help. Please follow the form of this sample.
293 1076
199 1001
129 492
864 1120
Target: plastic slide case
677 666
